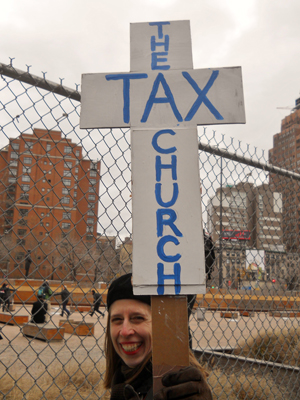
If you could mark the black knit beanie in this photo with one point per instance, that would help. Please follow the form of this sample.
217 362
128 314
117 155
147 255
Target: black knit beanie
121 289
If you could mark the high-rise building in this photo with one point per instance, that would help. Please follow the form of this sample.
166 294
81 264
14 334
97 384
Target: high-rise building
49 205
245 217
286 154
247 213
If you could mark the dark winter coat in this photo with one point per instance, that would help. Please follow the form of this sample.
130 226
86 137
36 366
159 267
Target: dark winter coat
209 255
38 312
28 261
142 384
5 293
97 298
65 295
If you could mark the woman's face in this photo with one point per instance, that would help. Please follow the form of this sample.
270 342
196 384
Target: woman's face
130 330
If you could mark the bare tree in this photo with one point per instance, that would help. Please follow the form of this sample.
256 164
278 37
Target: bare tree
74 254
6 246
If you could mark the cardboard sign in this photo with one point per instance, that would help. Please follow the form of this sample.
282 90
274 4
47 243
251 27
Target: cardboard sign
168 249
163 99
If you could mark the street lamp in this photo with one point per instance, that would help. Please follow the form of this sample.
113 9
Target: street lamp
221 229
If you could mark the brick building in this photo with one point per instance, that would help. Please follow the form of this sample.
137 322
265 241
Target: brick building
49 202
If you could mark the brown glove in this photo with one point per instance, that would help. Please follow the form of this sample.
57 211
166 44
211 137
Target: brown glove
130 393
187 383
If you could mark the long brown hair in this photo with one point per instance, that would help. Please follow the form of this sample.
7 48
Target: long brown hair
113 360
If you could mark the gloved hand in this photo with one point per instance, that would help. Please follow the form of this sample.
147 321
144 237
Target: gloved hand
187 383
130 393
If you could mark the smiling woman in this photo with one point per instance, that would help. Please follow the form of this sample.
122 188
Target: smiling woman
128 347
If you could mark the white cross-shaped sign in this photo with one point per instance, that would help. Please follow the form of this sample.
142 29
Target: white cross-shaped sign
162 100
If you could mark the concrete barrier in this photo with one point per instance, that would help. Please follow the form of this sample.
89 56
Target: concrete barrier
46 332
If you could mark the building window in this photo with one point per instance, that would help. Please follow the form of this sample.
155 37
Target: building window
66 225
15 146
25 178
65 200
93 173
66 215
20 256
90 221
65 191
24 196
43 189
92 197
47 223
12 179
76 170
27 160
45 162
27 170
28 145
89 229
67 149
13 172
23 211
90 212
68 164
25 187
93 165
67 182
48 147
13 163
77 153
93 181
92 189
21 232
67 173
75 195
14 155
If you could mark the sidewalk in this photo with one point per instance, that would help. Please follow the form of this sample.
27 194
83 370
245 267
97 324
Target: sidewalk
17 353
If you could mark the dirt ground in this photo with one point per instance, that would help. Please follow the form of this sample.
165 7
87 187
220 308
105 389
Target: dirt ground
19 354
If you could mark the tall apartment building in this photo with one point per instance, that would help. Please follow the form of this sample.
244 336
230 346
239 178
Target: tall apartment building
286 154
251 218
249 214
48 193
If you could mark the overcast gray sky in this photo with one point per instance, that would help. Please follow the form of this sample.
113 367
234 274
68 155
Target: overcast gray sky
66 38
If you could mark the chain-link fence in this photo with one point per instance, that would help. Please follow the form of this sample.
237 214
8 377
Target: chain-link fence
65 198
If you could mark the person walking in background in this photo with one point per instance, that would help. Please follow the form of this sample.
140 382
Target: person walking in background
5 297
2 292
97 302
209 255
47 293
65 295
28 262
39 311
